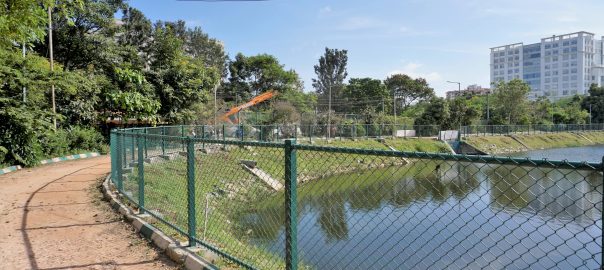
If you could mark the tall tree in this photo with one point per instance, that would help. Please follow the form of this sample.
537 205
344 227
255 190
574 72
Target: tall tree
199 45
252 75
510 102
331 72
595 102
436 113
365 95
408 90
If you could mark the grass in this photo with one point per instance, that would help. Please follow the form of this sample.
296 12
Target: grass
221 173
506 144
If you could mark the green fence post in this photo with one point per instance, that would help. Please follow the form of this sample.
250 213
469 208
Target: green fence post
145 141
182 134
203 136
141 174
163 142
191 221
119 162
132 138
291 231
223 138
112 151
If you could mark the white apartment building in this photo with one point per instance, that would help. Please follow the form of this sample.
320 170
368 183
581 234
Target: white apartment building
557 67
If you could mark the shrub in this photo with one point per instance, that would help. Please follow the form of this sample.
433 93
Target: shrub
55 143
86 138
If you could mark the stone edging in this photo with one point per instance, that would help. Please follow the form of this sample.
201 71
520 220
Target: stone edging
10 169
52 160
70 157
173 249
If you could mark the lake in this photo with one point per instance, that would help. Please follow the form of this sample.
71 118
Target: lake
446 215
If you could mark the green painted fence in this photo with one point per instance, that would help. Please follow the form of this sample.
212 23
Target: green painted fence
287 205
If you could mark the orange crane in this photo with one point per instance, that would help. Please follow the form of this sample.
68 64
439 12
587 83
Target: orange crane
230 116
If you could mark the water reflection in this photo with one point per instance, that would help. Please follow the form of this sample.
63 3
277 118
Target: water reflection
443 215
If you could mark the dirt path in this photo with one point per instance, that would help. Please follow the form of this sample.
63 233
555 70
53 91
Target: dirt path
52 217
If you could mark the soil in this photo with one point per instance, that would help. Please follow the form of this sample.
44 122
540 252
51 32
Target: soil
54 217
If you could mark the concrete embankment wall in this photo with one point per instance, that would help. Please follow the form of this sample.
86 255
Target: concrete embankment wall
518 143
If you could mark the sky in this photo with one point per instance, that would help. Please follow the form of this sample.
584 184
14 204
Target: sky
445 40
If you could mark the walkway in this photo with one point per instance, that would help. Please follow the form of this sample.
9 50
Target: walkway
53 217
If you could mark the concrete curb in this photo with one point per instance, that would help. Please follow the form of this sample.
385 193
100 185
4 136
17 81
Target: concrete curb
10 169
70 157
52 160
173 249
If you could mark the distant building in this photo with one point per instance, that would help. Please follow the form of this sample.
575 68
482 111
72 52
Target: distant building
472 90
557 67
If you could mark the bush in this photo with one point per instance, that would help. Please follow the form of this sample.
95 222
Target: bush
86 138
55 143
18 136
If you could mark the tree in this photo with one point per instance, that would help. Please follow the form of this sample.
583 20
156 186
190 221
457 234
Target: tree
510 102
436 113
252 75
595 100
365 95
199 45
82 38
408 90
462 112
331 72
25 21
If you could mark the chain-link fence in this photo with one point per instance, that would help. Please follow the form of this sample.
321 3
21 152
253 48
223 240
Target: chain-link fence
266 205
491 130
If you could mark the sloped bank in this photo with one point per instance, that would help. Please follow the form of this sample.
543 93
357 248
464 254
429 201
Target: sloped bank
519 143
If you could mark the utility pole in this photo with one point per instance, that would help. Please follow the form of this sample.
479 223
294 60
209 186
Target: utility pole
459 115
25 89
215 109
329 114
488 109
590 113
52 67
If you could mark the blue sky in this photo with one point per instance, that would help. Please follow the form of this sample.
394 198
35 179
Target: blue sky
437 40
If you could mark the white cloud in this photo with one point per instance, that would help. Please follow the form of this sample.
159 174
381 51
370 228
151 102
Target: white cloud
360 23
414 70
325 10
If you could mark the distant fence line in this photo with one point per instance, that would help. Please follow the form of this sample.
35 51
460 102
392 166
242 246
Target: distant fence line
280 132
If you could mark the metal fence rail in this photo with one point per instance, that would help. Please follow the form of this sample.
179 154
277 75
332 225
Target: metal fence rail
273 205
491 130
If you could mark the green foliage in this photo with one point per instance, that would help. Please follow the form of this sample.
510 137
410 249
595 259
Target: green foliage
510 103
436 113
408 90
463 112
86 138
285 113
54 143
19 129
331 72
364 91
595 102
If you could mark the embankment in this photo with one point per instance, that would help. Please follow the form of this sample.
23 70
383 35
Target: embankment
518 143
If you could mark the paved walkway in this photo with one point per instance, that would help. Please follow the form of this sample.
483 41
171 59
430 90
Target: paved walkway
53 217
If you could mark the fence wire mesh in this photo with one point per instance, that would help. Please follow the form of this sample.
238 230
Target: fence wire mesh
359 208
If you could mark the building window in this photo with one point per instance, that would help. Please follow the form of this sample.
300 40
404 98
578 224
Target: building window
573 49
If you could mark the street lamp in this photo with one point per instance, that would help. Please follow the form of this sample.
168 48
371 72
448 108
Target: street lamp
458 87
459 115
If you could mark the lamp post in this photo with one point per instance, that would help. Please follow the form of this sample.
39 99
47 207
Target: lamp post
458 115
52 86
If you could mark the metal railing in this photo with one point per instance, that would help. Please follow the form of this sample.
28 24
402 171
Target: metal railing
492 130
267 205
